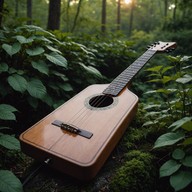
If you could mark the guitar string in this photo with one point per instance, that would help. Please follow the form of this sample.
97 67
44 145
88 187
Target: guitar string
60 138
103 96
79 117
99 101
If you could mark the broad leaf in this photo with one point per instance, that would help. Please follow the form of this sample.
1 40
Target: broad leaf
9 182
91 69
180 123
181 179
6 112
166 79
178 154
188 141
169 167
17 82
36 88
3 67
12 49
185 79
9 142
23 39
53 49
35 51
155 69
66 87
41 66
168 139
166 69
187 161
57 59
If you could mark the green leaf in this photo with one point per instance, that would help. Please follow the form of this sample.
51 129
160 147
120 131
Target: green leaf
9 142
181 179
17 82
178 154
35 51
180 123
66 87
36 88
169 139
148 123
166 69
57 59
155 69
166 79
3 67
91 69
11 50
187 161
53 49
9 182
24 40
188 141
41 66
6 112
185 79
169 167
154 80
187 126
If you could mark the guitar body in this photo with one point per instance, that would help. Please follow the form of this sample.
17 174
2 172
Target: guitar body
78 137
74 154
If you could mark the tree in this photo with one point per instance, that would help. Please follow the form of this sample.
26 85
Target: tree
165 7
131 17
1 11
54 14
103 17
76 16
118 15
29 12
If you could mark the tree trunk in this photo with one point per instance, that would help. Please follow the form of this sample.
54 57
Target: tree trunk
16 8
165 7
103 17
76 16
118 15
67 16
29 12
54 14
1 11
174 11
131 17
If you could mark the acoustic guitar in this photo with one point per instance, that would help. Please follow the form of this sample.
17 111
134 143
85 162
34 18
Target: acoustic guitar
79 136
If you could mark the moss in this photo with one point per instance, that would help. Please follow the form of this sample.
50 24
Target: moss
136 175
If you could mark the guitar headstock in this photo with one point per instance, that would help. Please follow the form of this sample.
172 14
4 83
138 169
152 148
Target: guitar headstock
163 46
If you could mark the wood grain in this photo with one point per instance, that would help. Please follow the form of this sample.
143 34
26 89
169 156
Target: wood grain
73 154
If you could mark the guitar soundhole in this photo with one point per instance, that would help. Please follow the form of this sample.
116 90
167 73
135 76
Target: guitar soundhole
100 101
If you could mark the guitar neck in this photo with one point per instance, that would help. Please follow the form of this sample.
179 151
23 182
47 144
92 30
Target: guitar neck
118 84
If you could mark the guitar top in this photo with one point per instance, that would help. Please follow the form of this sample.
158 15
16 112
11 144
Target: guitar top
78 137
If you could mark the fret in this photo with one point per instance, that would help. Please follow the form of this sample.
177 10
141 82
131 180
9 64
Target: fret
117 85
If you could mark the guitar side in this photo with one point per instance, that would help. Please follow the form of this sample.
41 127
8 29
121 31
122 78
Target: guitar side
71 153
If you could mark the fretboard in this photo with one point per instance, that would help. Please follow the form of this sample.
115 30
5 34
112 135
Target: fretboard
118 84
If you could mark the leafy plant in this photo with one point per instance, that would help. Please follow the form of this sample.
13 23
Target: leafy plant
8 181
173 84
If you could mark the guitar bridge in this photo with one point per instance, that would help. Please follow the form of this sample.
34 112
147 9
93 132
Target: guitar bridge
72 129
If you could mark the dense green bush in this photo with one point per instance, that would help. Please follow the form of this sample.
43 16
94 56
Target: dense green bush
172 113
136 174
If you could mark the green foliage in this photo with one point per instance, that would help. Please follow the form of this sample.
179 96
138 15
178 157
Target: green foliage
136 174
9 182
27 57
173 85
